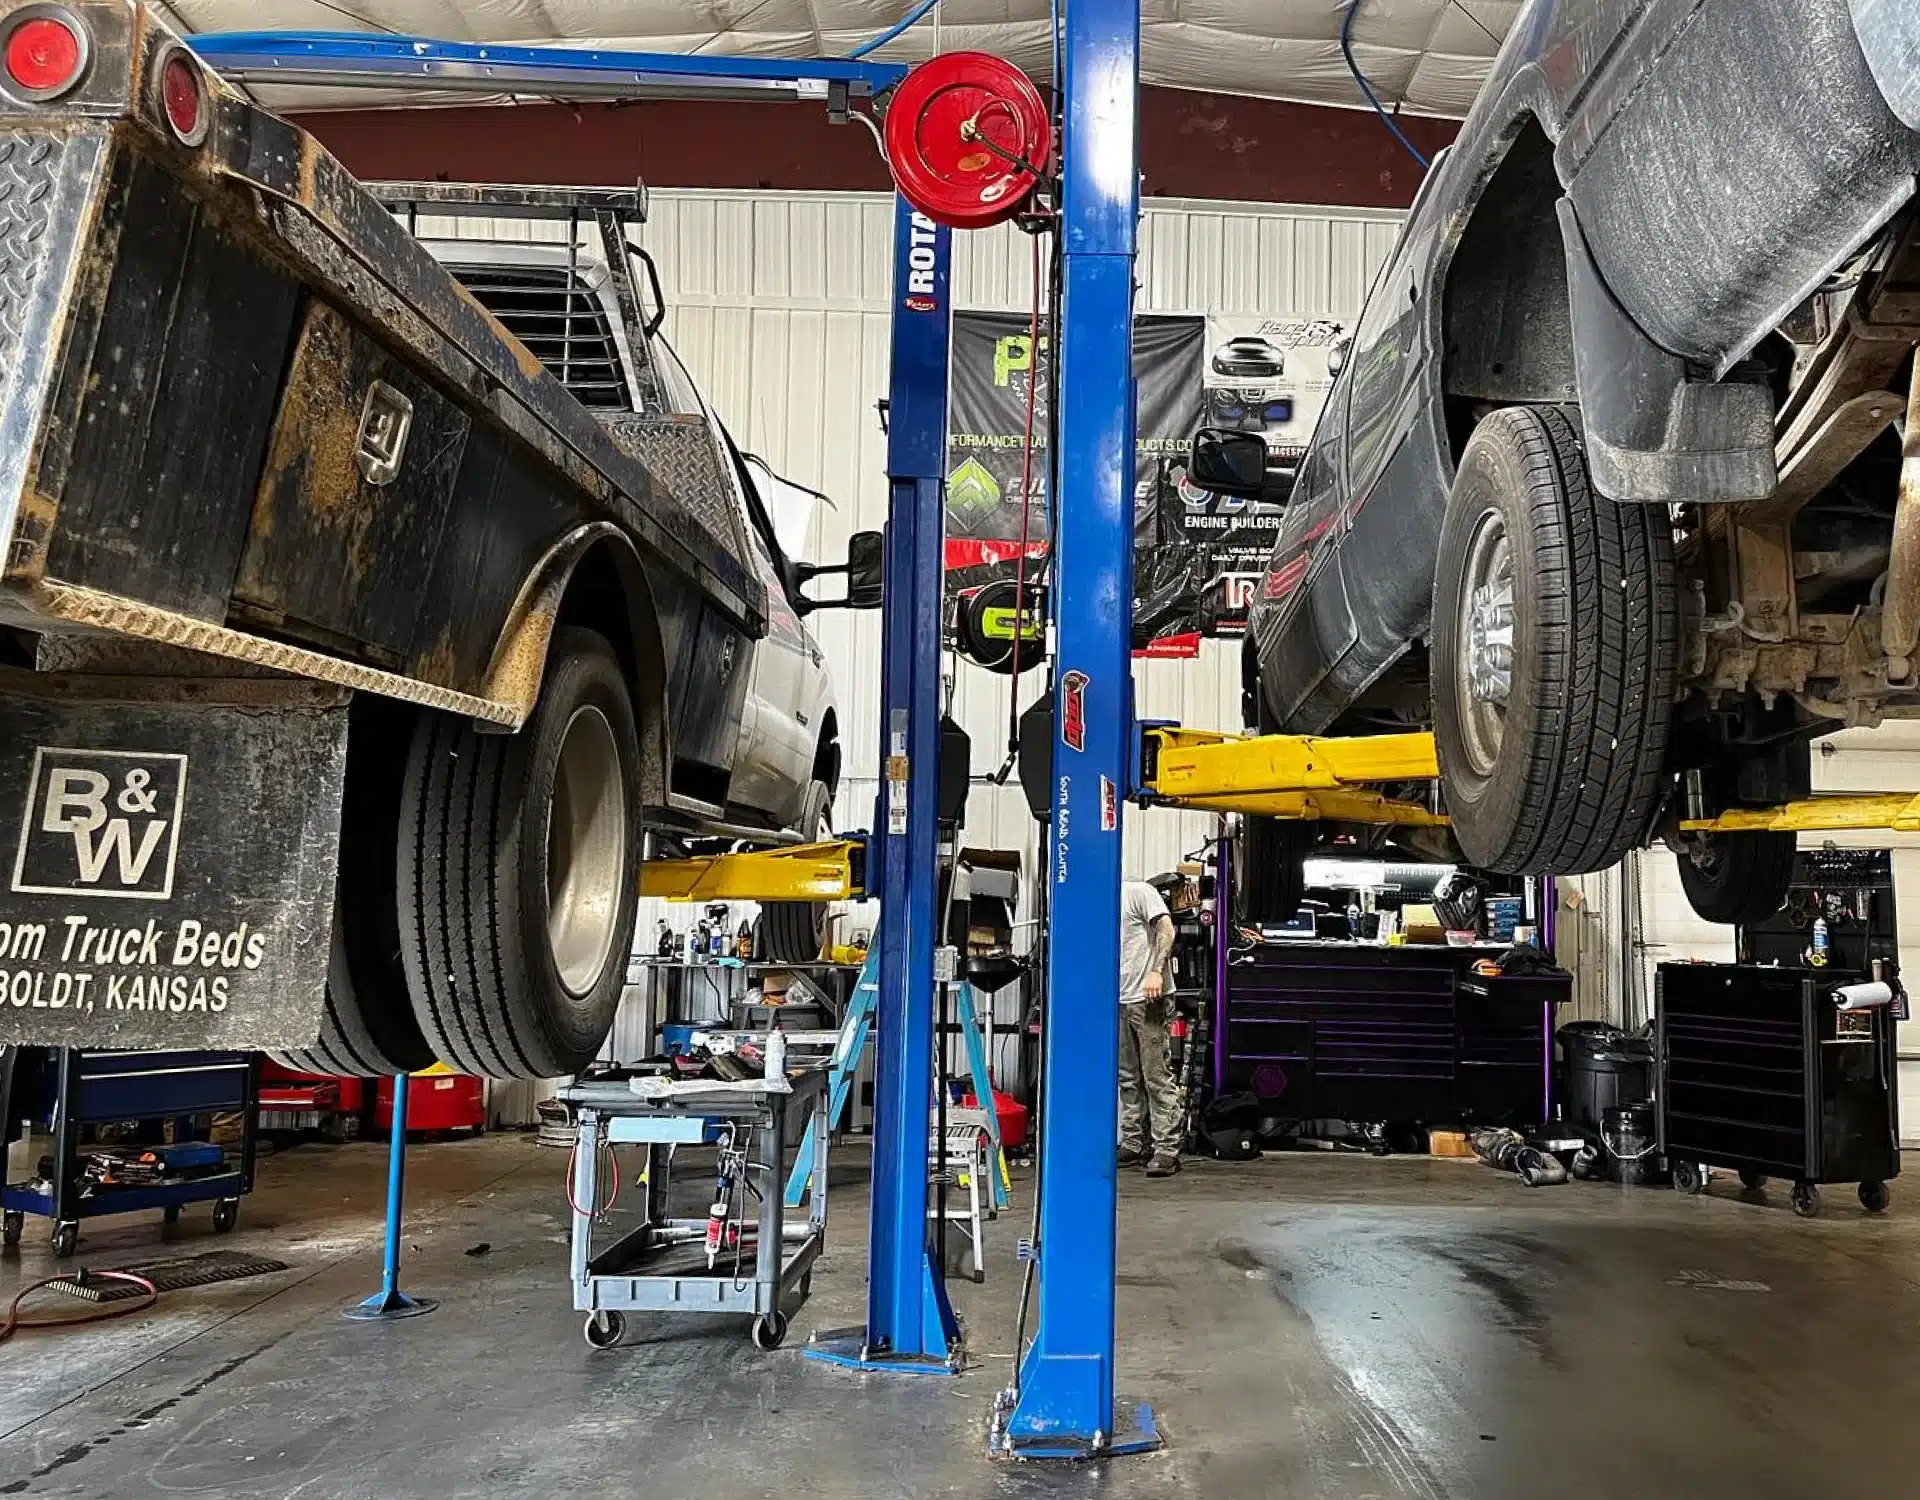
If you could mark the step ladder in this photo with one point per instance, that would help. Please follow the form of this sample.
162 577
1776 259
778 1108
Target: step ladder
856 1027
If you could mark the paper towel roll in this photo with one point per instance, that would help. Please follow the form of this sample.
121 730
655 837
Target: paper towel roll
1869 996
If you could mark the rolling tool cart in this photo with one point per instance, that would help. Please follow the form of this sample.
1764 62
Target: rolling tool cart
83 1088
741 1257
1777 1072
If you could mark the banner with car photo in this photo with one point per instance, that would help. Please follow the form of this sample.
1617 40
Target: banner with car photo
1198 556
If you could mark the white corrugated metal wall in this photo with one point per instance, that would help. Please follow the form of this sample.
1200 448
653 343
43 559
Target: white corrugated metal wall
781 305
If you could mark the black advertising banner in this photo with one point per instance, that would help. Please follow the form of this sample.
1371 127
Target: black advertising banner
1198 559
1197 556
996 373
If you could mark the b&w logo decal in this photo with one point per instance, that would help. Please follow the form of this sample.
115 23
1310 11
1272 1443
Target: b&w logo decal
101 823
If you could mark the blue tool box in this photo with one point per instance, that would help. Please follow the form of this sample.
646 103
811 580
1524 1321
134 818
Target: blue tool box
69 1090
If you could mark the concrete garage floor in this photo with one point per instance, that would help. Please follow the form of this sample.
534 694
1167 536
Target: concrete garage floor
1308 1327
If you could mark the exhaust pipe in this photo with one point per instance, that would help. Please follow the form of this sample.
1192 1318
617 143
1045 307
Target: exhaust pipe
1900 613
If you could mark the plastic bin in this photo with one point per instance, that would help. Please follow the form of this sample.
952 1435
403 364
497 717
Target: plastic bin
1605 1069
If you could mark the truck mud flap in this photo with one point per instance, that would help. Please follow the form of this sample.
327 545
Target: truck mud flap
169 867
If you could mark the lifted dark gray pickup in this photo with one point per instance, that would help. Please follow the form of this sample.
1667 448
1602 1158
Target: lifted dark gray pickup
315 576
1609 492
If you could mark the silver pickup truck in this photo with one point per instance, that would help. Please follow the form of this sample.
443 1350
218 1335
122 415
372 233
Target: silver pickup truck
326 573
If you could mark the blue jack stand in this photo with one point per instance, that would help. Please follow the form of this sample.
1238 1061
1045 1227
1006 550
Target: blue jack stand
391 1302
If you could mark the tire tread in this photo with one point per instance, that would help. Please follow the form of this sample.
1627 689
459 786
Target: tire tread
1606 636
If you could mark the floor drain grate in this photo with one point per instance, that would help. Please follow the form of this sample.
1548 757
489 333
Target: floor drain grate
175 1274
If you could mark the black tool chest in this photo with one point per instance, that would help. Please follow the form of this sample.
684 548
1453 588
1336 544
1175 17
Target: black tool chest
1762 1072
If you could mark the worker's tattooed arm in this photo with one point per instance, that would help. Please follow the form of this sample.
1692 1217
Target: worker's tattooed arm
1160 941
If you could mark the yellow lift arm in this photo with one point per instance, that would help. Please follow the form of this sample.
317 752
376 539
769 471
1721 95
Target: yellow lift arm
1305 776
1287 775
799 872
1896 810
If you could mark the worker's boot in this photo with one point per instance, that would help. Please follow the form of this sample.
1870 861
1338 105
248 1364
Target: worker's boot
1164 1164
1129 1156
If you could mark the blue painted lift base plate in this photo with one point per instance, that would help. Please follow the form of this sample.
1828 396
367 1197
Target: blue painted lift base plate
847 1347
1135 1431
382 1309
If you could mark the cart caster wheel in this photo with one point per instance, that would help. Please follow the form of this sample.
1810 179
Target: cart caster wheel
1806 1199
15 1226
226 1214
769 1332
1751 1180
605 1329
1875 1196
66 1238
170 1216
1689 1177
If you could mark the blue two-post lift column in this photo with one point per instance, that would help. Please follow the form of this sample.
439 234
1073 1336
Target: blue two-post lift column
910 1325
1065 1404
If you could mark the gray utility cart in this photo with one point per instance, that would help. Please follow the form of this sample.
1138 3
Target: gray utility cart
662 1265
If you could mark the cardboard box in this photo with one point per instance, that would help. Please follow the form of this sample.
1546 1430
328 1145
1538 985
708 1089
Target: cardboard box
1449 1143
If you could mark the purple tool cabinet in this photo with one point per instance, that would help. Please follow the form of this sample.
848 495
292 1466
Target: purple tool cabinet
1351 1032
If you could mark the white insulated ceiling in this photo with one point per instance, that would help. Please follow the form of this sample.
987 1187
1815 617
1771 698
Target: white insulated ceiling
1425 57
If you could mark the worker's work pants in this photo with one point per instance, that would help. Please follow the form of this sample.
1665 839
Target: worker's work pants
1146 1079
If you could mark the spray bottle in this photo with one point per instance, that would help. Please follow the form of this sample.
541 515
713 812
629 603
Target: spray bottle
776 1054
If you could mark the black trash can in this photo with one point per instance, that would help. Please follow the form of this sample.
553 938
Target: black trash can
1604 1068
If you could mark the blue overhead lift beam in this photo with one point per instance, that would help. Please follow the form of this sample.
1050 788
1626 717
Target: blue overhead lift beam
358 59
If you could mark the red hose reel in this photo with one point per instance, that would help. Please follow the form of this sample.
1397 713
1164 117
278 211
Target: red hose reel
968 138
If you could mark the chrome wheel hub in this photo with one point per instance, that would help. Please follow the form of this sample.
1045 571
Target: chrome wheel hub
587 832
1483 674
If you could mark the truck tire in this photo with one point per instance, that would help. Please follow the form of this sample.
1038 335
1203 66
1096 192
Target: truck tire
1555 641
518 872
1736 878
360 1037
794 931
367 1029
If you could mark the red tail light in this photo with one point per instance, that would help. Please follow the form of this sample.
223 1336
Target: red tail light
46 52
183 95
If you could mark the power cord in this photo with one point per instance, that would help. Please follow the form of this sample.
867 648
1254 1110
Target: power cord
14 1321
599 1209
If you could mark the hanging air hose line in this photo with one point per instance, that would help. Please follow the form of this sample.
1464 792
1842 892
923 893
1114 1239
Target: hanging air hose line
1037 959
1026 512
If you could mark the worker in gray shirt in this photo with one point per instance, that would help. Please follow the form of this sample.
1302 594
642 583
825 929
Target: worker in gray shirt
1146 1073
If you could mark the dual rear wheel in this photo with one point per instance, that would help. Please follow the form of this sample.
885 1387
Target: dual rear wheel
490 882
489 890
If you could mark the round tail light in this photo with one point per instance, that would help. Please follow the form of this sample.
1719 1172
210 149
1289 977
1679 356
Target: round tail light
45 53
183 97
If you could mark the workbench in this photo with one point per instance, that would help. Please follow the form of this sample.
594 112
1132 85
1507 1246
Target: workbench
661 1265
